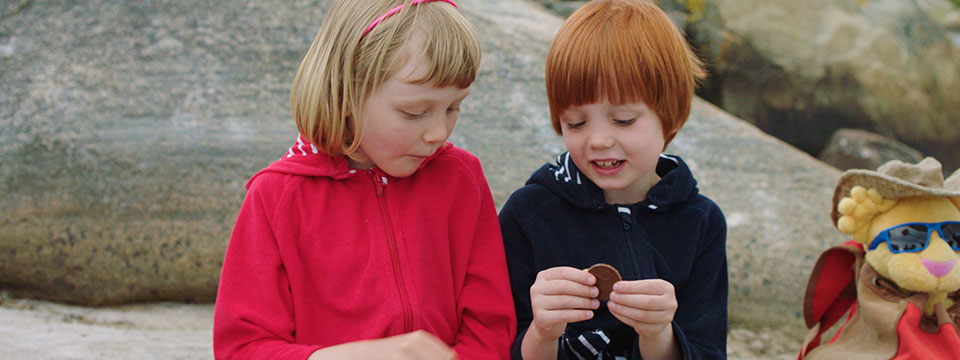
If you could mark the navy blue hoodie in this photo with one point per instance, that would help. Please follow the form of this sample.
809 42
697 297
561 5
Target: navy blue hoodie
559 218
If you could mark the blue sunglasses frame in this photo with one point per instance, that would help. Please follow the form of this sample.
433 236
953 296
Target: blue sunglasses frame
884 236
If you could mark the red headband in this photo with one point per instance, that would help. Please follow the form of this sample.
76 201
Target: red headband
396 10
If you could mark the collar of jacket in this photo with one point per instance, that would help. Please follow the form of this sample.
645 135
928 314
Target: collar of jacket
676 184
303 158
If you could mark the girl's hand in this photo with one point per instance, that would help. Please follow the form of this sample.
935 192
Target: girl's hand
417 345
646 305
561 295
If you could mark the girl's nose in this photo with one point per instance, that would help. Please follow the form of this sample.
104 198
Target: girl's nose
436 132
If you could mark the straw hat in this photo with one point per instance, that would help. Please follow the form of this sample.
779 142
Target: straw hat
897 179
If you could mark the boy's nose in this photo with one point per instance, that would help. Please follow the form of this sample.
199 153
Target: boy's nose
600 140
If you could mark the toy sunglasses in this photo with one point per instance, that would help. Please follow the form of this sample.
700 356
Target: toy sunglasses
914 237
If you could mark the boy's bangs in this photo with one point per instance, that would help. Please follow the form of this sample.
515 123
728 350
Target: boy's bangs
449 46
598 66
595 70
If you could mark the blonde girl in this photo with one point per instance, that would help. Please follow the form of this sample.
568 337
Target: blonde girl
372 237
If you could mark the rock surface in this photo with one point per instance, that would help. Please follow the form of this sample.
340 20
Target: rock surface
801 70
130 128
859 149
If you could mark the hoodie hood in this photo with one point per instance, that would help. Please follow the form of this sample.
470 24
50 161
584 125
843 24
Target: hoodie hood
304 159
564 179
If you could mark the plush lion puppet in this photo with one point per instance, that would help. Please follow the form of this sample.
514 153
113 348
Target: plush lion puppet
897 281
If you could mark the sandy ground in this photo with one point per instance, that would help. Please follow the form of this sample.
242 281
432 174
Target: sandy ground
31 329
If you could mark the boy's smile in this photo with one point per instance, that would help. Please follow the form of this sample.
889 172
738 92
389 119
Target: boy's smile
616 146
607 167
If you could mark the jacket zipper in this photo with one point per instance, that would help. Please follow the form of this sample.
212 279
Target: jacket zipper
380 183
627 222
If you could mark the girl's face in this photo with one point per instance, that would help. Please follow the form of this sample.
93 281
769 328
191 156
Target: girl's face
616 146
404 123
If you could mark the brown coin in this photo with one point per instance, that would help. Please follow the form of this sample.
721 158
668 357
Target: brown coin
606 276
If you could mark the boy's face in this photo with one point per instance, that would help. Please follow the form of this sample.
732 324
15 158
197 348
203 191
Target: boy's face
616 146
404 123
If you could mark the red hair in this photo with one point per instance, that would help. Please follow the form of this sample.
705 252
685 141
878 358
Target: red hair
627 51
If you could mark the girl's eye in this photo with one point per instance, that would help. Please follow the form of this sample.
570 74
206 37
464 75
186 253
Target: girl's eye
625 122
453 110
413 116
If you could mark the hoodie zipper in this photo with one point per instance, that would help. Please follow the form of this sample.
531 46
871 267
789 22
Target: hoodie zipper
380 182
626 219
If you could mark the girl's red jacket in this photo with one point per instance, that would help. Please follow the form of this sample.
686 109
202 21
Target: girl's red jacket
322 254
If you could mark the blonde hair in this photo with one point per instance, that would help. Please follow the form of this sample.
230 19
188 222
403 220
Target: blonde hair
626 50
343 66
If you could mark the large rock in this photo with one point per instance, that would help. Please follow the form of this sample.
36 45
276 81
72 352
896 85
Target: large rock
802 69
129 129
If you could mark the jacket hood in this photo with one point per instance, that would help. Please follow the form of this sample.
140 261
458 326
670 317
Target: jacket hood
304 159
564 179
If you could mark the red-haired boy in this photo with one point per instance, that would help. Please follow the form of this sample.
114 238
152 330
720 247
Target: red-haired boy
620 80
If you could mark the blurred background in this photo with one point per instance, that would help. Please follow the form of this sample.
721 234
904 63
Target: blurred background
128 128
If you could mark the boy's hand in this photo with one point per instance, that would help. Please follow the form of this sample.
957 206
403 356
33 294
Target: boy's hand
561 295
646 305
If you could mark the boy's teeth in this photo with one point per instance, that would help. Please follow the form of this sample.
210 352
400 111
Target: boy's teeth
610 163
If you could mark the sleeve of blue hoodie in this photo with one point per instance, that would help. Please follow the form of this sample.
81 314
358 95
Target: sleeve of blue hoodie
700 323
519 255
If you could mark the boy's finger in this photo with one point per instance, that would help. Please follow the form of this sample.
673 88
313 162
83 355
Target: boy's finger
641 315
563 302
644 301
568 273
565 316
647 286
568 287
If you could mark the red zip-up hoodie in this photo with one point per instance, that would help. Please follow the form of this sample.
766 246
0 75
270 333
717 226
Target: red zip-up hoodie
323 254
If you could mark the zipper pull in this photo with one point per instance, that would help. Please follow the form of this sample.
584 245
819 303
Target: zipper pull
625 217
379 182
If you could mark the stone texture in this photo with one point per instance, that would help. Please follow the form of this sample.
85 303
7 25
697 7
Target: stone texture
802 69
129 129
859 149
565 8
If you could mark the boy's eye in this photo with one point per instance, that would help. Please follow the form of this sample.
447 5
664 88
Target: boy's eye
625 122
574 125
453 110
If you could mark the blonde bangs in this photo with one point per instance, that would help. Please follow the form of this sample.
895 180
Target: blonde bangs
626 51
450 47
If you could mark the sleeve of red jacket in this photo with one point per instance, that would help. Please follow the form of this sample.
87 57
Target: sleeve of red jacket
253 317
488 321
